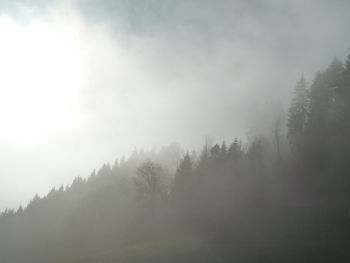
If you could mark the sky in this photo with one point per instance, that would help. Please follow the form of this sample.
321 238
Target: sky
84 82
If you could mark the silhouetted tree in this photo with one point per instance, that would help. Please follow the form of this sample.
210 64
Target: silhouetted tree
235 151
320 124
148 182
183 179
298 114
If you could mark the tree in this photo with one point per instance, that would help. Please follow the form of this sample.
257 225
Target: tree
148 182
277 132
322 122
215 152
235 151
298 113
182 182
255 152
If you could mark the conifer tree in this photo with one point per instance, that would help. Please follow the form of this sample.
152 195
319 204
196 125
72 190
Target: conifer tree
183 177
298 113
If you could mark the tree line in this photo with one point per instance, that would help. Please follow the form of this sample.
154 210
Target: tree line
238 192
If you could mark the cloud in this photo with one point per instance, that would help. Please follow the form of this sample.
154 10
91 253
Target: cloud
158 71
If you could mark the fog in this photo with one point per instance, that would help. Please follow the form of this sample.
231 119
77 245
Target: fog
153 72
174 131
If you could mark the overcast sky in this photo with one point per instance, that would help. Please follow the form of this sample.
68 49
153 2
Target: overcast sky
83 82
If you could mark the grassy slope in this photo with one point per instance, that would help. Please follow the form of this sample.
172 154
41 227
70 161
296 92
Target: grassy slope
191 251
316 236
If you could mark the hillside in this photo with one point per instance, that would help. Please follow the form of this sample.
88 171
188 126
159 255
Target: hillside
282 196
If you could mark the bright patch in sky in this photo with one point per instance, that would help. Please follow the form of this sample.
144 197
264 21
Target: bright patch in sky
40 78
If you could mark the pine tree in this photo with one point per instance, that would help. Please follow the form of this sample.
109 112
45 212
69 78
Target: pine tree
183 177
298 114
344 89
323 115
235 151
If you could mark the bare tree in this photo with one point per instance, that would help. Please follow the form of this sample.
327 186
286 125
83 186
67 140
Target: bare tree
148 182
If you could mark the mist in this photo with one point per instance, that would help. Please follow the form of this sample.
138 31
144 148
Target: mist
131 83
175 71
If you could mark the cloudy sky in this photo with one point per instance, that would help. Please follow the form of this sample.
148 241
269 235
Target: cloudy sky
83 82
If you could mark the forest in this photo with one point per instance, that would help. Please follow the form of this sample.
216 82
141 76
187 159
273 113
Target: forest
278 196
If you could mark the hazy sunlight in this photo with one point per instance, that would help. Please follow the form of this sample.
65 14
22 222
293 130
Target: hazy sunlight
41 75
